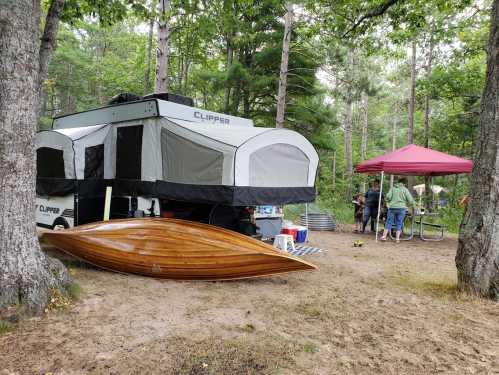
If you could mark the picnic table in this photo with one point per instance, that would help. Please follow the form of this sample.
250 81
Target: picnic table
419 219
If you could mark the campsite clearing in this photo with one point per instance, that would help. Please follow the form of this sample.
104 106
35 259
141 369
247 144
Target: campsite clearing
382 308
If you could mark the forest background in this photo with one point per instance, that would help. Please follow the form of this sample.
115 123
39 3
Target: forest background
354 93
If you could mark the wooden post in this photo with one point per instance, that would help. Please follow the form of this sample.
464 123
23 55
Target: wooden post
107 202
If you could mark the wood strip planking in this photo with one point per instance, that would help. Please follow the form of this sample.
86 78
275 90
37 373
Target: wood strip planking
174 249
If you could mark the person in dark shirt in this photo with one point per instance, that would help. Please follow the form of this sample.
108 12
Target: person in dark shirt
358 211
373 196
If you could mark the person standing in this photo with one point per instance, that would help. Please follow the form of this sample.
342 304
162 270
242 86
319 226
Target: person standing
398 200
373 196
358 211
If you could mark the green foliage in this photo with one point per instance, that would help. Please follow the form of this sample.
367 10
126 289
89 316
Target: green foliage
92 65
227 54
451 217
108 12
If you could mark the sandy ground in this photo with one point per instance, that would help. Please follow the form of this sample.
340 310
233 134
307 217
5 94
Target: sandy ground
379 309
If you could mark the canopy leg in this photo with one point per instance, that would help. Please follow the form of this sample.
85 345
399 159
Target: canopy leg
306 220
379 204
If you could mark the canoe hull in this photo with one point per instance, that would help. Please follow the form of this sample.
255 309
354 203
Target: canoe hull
173 249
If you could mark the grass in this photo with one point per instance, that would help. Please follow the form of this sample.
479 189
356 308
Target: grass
313 311
248 328
74 291
310 348
231 356
437 286
5 327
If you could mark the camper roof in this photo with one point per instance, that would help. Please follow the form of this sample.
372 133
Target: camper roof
145 109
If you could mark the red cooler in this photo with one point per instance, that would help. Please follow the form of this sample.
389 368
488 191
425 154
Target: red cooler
291 231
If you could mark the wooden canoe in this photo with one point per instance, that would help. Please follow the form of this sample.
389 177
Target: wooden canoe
173 249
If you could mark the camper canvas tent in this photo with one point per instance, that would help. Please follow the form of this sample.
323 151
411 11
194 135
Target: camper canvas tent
166 150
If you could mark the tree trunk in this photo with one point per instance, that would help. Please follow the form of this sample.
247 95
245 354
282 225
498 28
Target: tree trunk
477 257
364 131
147 73
412 99
348 148
427 110
162 52
394 137
49 38
100 54
27 276
185 75
365 124
283 75
71 99
180 66
230 57
246 102
348 130
412 96
236 98
48 44
334 170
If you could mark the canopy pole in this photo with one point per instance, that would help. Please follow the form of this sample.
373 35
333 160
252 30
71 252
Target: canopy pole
306 220
379 203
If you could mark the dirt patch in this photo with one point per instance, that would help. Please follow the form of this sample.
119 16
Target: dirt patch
382 308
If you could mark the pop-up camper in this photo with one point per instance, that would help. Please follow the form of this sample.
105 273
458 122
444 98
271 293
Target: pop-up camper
161 157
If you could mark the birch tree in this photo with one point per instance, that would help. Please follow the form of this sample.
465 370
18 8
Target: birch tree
162 51
147 73
412 96
283 75
348 124
427 110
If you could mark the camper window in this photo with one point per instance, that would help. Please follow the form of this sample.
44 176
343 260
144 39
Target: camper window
94 162
129 152
50 163
187 162
278 165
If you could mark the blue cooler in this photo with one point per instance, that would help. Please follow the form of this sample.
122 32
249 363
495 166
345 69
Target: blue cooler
301 234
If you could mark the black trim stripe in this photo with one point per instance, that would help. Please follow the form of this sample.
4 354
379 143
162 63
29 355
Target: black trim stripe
48 226
222 194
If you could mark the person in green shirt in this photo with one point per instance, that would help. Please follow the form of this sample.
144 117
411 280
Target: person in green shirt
397 200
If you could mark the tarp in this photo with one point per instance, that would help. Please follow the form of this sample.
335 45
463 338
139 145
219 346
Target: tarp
415 160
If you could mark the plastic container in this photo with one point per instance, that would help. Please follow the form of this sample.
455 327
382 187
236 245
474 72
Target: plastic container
301 234
290 230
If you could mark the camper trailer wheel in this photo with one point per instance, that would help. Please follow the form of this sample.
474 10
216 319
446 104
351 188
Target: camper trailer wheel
60 221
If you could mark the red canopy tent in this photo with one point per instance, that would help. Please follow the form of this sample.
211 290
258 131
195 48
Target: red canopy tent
414 160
